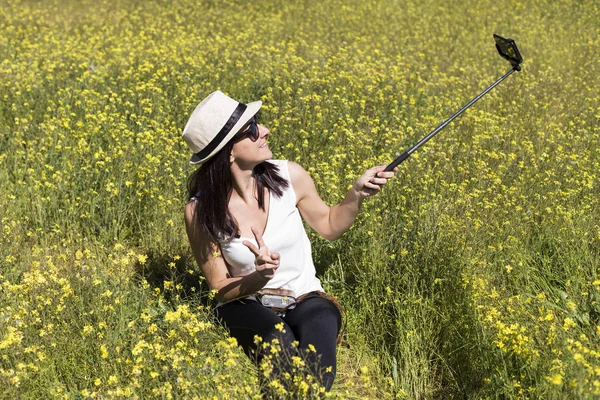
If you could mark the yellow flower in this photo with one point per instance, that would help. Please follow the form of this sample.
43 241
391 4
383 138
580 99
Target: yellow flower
298 362
556 379
569 323
103 351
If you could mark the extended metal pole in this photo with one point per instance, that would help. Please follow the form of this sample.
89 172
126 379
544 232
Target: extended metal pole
408 152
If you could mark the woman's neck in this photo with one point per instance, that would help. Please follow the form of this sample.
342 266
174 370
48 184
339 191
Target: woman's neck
244 184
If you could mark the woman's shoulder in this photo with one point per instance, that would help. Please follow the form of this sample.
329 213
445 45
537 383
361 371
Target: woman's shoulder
191 222
282 167
278 163
190 210
296 172
290 166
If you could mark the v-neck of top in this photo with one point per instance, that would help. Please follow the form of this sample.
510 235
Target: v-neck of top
266 224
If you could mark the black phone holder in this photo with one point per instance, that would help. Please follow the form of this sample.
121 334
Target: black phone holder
508 50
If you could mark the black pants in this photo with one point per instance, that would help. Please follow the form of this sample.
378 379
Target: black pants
315 321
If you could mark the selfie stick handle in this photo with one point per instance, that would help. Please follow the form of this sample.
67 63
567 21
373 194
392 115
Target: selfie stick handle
408 152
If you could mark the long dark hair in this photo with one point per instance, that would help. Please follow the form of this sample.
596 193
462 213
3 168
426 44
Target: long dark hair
211 185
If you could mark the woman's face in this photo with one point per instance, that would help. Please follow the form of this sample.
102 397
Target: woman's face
248 152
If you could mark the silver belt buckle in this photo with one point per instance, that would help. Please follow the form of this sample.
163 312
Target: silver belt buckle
277 301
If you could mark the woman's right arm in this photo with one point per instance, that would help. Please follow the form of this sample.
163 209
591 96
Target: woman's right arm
212 264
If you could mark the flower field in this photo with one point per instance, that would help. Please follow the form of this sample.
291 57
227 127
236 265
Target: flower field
474 274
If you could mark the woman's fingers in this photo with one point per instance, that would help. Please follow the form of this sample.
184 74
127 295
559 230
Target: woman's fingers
381 173
262 247
267 268
266 259
378 181
252 247
372 187
380 176
373 179
369 184
384 174
380 169
258 237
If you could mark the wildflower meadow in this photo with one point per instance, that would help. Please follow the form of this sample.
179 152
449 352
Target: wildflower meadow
474 274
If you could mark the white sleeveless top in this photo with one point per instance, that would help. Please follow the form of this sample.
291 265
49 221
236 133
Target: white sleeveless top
283 234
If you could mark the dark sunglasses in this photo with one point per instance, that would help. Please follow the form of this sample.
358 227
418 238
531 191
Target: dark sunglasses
249 130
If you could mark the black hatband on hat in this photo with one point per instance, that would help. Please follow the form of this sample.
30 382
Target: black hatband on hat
235 117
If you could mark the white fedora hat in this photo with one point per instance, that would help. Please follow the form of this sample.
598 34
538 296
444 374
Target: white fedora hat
214 122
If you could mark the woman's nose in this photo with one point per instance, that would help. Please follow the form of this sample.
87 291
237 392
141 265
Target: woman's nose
263 131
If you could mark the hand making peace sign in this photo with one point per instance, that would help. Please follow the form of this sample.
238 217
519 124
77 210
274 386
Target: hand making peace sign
266 262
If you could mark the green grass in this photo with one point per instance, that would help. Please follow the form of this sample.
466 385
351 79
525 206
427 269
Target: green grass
473 275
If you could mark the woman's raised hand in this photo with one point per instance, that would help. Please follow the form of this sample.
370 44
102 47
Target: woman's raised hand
266 262
372 181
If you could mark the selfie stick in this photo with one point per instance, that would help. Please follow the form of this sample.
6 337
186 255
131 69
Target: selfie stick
513 56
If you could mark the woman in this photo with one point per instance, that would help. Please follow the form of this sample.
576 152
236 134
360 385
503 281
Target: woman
244 223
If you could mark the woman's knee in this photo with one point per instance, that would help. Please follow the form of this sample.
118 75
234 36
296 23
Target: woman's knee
280 338
271 339
317 310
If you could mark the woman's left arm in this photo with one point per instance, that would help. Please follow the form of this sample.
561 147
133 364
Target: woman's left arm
332 222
